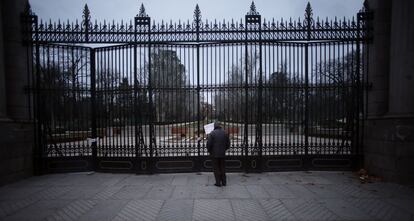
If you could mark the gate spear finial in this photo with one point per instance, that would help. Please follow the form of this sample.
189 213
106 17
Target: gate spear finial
86 22
253 10
86 13
142 12
308 14
197 14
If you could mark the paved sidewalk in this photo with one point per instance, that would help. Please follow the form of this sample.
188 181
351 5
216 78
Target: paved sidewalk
266 196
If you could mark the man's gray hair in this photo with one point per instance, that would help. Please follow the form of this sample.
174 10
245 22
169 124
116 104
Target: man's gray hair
217 125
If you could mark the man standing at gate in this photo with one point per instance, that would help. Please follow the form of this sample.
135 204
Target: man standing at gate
217 143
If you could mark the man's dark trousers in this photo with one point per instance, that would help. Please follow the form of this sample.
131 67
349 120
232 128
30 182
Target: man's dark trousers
219 167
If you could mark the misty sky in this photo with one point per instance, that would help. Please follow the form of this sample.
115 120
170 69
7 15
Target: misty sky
183 9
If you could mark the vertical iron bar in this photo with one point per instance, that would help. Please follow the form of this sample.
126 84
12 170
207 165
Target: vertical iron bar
93 109
121 91
198 90
277 141
246 87
342 95
137 114
307 91
47 98
151 124
260 102
331 98
358 94
348 130
113 73
364 77
38 151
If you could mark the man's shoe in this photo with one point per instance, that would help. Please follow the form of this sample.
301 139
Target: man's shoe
217 185
224 184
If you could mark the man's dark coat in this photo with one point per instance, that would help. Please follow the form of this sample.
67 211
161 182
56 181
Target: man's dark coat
218 142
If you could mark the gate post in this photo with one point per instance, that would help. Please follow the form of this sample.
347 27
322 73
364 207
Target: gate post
38 150
143 21
246 93
308 22
259 132
93 110
197 21
253 20
357 125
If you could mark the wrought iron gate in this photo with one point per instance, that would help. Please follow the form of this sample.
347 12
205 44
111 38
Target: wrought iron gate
289 93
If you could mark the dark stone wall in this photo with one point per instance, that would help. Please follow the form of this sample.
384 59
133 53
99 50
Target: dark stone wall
389 127
389 148
16 157
16 130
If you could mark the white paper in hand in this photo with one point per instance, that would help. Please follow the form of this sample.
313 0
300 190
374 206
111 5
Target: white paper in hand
208 128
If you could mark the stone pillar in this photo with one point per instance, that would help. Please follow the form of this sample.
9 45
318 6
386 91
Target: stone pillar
389 127
379 55
3 104
16 131
402 59
16 61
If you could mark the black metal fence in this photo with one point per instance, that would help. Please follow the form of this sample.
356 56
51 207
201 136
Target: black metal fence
289 93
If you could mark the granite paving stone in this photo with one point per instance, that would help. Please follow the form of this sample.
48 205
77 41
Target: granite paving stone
406 204
107 192
281 179
249 179
276 210
131 192
234 192
14 193
247 209
380 209
198 179
279 191
389 190
324 191
134 180
183 192
208 192
86 192
11 206
309 209
345 210
53 192
72 211
39 210
301 191
302 195
257 192
176 210
213 209
104 210
308 178
351 191
180 180
160 192
140 210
